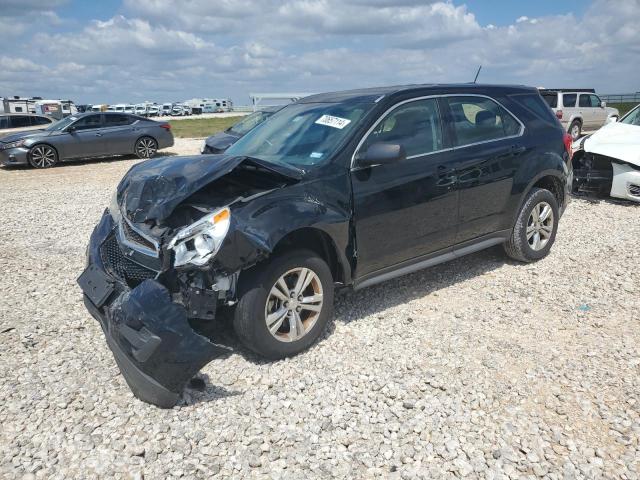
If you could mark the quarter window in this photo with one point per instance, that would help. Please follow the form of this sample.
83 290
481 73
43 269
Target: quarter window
478 119
415 126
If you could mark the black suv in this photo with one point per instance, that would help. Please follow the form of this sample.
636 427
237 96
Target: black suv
343 189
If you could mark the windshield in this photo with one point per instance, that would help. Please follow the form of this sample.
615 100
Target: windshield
301 135
60 124
633 117
248 122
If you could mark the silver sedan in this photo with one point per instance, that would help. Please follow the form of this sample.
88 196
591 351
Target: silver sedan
86 135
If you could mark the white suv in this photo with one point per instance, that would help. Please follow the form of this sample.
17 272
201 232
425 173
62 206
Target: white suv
579 110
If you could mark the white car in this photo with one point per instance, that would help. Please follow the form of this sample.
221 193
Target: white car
608 161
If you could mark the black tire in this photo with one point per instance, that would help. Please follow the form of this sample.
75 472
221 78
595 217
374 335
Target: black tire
146 147
255 286
520 246
575 130
42 156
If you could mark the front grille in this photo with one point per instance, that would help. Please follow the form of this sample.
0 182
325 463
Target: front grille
634 190
122 267
135 237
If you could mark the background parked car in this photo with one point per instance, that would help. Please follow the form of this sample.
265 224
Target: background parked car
166 109
608 162
84 136
9 122
579 110
219 142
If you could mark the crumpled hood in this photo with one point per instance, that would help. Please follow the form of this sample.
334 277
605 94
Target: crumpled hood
221 141
151 190
14 136
616 140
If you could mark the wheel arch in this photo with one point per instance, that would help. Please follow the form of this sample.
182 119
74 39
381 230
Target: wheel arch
551 180
321 243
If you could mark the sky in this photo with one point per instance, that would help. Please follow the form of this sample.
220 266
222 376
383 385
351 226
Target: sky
128 51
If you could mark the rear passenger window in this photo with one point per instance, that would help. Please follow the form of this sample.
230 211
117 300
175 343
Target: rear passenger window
569 99
414 125
117 120
19 121
41 121
478 119
4 122
585 101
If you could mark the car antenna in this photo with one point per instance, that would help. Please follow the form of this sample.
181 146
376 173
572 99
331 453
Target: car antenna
477 73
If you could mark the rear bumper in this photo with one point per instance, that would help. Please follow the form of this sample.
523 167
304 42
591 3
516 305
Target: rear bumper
14 156
155 347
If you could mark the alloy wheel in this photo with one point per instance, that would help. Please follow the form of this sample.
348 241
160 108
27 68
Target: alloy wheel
43 156
575 132
294 304
540 226
146 147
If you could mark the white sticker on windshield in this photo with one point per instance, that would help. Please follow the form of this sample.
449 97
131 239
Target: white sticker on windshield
335 122
316 155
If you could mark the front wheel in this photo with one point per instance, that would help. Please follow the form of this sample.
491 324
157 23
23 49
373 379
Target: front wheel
284 304
42 156
535 230
575 130
146 147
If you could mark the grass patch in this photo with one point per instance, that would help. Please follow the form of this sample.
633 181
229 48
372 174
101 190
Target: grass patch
201 127
622 107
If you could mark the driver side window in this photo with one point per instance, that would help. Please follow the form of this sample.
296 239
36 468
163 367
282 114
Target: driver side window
87 123
414 125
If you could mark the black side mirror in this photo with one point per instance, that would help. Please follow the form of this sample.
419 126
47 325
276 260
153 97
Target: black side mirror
381 154
71 129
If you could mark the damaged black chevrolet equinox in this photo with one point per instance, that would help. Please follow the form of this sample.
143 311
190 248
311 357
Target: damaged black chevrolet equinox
342 189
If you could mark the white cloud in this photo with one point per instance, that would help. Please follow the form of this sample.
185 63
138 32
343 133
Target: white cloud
163 50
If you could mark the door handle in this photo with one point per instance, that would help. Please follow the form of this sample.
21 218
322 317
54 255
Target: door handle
98 134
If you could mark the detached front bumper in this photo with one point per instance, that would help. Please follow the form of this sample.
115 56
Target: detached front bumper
14 156
152 341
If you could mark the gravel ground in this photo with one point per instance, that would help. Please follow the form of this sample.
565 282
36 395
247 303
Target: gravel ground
479 368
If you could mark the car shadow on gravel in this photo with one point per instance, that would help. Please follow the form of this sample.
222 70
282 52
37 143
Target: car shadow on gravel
353 306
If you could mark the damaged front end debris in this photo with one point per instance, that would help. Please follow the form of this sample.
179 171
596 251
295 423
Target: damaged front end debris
150 271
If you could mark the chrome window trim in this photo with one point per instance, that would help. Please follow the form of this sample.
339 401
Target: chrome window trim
393 107
136 246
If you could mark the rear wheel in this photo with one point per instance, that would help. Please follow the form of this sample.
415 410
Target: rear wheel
146 147
575 130
42 156
535 230
284 305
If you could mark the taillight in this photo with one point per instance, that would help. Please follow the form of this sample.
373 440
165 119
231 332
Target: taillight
567 145
166 126
559 114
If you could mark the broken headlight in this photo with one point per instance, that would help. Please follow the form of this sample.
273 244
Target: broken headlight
200 241
114 208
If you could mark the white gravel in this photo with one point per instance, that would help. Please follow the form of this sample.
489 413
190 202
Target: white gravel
480 368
